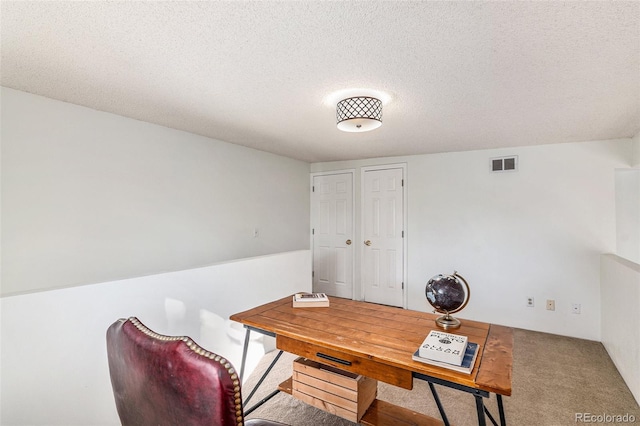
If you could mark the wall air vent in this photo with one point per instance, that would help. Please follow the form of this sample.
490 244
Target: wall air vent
504 164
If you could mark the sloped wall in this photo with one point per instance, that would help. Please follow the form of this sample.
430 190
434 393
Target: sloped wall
89 197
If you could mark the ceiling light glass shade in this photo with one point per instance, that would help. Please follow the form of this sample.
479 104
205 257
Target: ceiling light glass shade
359 114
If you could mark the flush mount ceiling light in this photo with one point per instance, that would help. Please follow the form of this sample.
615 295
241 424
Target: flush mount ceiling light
359 114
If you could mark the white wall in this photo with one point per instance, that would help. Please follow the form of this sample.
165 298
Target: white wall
538 232
54 364
628 214
620 294
620 277
90 197
635 159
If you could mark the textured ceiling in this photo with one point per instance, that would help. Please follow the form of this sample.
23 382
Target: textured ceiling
458 75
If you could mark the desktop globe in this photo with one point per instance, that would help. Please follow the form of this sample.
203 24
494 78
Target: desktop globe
447 294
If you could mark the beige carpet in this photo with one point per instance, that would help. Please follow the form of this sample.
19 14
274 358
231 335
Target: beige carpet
554 377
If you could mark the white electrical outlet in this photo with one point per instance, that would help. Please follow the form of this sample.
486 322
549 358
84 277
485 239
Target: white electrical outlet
575 308
530 301
551 305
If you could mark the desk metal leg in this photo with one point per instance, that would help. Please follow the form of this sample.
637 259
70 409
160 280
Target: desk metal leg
255 388
490 416
439 404
247 334
482 421
503 419
262 401
264 376
477 393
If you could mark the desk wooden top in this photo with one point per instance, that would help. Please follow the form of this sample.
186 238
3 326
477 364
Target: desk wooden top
388 336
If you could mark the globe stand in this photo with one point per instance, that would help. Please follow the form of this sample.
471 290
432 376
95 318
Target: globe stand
448 322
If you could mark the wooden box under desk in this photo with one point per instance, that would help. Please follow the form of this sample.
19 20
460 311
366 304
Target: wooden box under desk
338 392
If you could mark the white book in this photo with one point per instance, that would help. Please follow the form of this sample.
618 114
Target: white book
310 297
444 347
310 300
468 361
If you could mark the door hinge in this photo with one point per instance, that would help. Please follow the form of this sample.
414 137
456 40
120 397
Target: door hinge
313 274
402 182
313 188
313 231
402 234
403 286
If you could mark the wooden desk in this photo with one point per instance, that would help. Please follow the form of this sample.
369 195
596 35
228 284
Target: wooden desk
378 341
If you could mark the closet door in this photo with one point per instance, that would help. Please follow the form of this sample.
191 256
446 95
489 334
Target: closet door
332 224
383 233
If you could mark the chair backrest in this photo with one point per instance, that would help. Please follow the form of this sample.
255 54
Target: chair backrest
163 380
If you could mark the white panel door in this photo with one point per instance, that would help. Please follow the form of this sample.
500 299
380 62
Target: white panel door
332 206
383 250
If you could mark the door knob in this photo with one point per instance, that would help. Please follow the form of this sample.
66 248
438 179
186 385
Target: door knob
367 243
348 242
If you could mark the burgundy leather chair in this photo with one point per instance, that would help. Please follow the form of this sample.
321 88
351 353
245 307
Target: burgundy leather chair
163 380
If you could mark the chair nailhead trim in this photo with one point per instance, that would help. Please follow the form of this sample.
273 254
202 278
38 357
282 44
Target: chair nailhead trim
203 352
